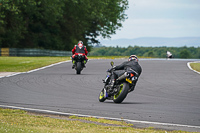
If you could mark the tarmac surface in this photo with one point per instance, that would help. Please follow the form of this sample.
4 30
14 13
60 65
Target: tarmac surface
166 96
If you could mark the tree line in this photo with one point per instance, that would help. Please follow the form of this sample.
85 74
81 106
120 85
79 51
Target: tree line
156 52
58 24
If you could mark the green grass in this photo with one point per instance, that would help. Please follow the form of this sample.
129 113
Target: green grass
23 64
17 121
195 66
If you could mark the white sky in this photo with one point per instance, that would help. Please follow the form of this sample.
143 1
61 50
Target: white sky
161 18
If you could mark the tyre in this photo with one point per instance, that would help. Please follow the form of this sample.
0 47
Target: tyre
78 69
102 96
121 95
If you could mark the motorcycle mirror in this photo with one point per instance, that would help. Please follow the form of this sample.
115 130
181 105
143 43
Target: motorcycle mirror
111 63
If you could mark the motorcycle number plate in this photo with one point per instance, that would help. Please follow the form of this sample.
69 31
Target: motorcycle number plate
128 80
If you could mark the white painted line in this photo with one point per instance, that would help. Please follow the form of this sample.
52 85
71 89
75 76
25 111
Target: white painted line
47 66
99 117
188 64
36 69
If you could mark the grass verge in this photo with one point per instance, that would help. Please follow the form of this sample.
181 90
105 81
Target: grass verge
195 66
23 64
17 121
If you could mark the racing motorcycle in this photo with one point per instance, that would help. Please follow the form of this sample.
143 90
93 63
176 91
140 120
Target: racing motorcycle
124 84
79 62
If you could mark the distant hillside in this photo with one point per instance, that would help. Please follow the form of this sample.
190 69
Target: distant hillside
154 42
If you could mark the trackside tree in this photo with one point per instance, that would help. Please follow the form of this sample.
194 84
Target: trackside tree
58 24
155 52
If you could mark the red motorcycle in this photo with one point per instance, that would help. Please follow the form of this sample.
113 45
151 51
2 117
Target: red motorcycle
79 62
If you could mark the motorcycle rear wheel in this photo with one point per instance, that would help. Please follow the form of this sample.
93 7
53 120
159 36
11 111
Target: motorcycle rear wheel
121 95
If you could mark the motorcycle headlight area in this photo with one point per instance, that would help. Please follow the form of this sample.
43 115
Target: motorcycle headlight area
79 57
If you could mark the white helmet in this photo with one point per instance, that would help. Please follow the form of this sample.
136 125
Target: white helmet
80 42
132 57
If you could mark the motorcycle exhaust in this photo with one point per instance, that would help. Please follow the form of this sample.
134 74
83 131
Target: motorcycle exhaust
123 76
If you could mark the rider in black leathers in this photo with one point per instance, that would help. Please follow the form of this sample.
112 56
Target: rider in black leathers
121 69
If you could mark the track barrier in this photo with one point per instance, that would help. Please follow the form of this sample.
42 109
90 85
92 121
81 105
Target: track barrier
32 52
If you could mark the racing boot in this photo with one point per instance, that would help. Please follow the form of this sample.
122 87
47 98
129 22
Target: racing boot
84 62
73 66
112 86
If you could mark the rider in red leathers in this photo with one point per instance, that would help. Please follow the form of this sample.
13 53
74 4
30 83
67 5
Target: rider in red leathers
80 48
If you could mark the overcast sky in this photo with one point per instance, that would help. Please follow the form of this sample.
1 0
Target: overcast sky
161 18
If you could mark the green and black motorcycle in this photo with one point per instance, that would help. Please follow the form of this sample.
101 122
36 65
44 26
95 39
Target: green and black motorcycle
124 84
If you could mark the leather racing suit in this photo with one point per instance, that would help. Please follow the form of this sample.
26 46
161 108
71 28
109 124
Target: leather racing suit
80 48
126 66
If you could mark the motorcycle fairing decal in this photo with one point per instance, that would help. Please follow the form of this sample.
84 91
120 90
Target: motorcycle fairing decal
131 74
128 80
101 95
106 78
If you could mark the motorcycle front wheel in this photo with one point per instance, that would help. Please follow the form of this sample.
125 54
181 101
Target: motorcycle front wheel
102 96
78 69
122 93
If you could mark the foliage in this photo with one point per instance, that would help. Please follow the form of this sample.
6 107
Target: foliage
58 24
157 52
184 53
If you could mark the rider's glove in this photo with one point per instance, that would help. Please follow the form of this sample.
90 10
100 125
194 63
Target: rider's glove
109 70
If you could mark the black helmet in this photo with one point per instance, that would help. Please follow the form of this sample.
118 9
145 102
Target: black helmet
133 57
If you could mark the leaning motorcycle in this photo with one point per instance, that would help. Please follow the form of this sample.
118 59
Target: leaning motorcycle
79 62
124 84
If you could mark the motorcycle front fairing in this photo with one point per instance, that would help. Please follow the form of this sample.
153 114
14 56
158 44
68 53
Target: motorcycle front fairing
79 56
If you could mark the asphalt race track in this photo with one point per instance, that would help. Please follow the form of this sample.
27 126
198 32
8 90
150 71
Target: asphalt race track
167 92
